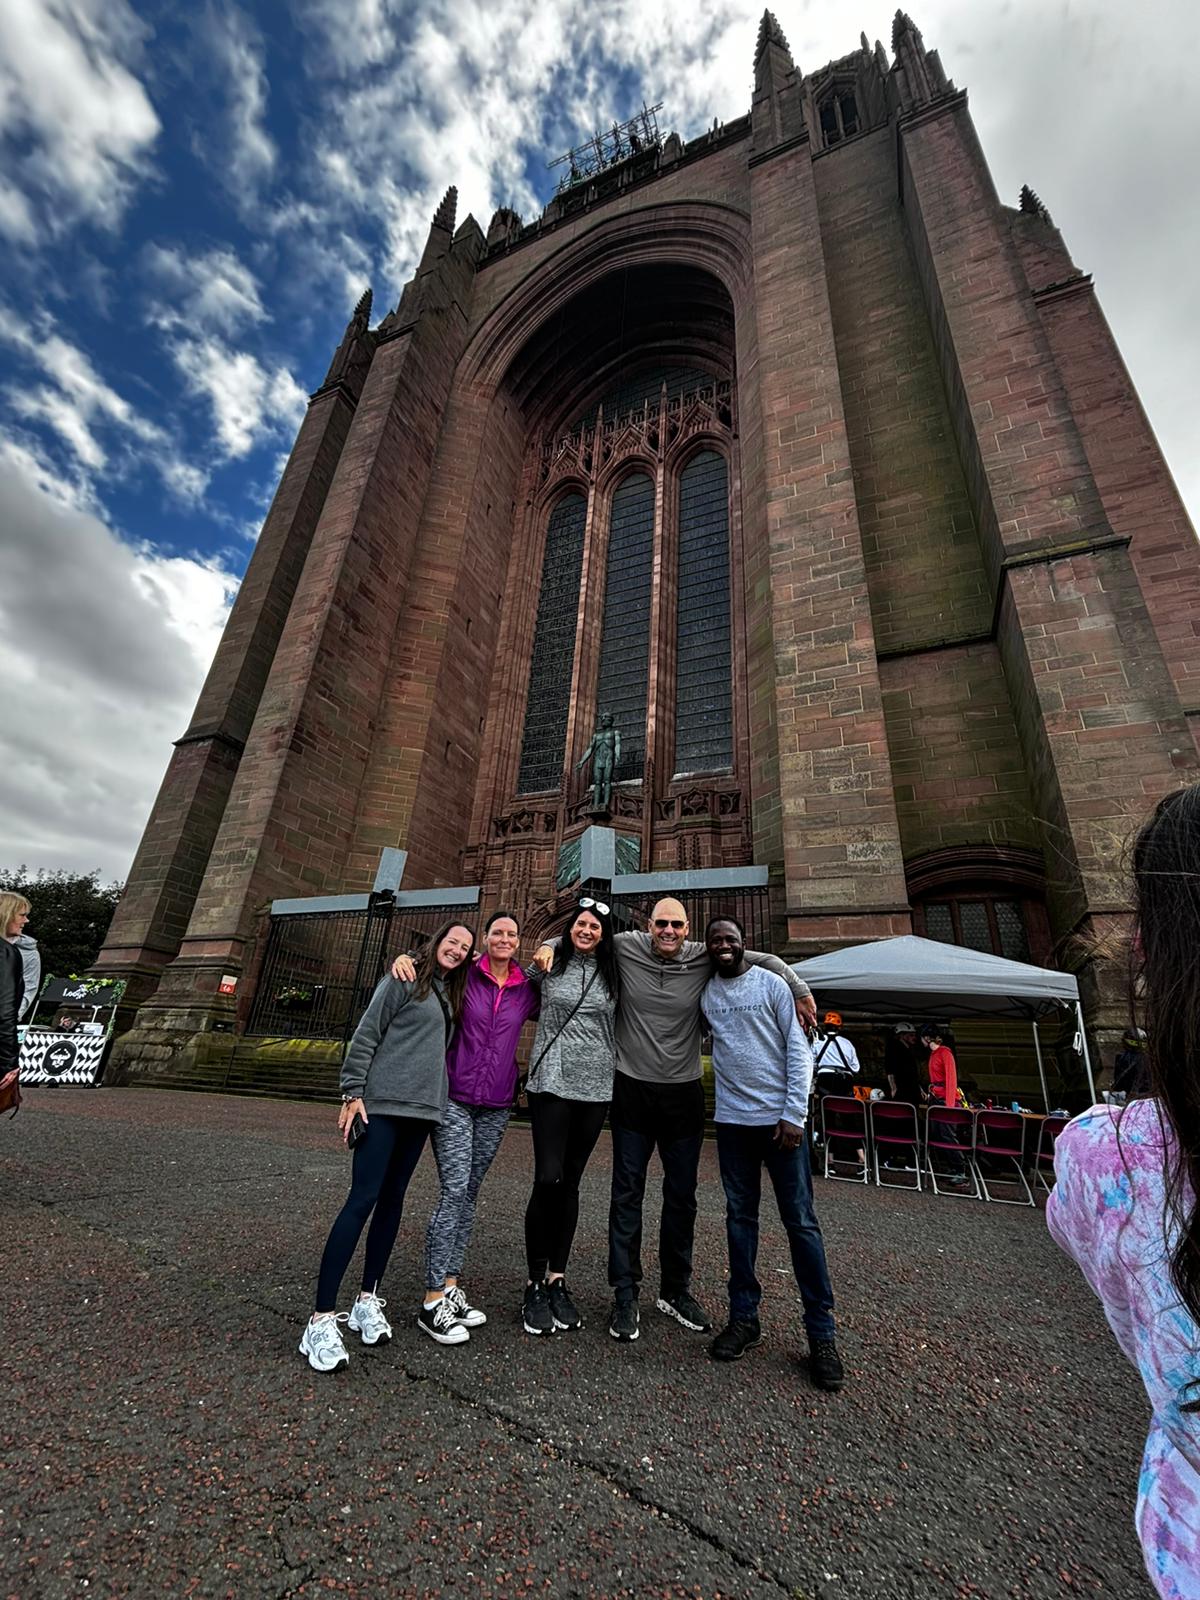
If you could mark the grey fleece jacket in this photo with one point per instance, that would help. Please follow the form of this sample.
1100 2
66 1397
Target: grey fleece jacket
574 1052
397 1058
31 961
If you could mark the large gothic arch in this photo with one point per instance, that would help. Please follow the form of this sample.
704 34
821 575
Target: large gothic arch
714 239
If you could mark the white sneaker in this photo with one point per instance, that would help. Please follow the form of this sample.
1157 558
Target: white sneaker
470 1316
439 1323
367 1319
321 1342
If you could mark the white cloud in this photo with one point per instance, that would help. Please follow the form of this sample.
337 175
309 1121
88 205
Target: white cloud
413 95
103 648
16 214
202 301
324 253
210 292
249 157
76 124
68 487
353 33
78 406
249 402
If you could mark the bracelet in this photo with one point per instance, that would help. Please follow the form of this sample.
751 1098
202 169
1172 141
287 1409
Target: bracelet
350 1097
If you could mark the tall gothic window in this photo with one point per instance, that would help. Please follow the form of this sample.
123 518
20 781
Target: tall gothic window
625 643
544 743
839 116
703 674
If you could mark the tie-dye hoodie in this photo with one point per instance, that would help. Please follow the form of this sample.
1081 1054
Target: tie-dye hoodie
1107 1212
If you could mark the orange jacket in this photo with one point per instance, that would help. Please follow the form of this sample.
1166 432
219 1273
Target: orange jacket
943 1076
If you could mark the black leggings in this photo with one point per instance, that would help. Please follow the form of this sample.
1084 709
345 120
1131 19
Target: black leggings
385 1158
564 1136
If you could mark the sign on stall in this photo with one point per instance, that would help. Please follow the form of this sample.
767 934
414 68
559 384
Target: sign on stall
69 1030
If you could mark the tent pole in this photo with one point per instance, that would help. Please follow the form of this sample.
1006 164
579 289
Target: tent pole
1087 1059
1037 1045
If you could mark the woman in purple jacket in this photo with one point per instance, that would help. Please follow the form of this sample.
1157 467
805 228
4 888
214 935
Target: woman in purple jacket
482 1066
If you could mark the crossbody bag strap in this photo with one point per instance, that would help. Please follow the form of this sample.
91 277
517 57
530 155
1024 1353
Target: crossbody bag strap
449 1020
562 1030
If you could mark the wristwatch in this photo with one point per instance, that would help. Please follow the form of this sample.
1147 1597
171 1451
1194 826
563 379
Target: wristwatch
350 1096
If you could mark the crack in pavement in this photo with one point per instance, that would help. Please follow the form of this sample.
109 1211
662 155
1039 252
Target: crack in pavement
614 1477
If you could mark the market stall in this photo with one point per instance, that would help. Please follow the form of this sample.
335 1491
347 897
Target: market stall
69 1030
914 977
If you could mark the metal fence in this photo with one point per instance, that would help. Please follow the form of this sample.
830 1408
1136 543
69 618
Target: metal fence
750 905
321 967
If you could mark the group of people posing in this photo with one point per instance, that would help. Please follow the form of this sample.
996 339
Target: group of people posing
619 1018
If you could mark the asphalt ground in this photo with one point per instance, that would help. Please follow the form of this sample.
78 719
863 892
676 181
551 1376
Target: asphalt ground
161 1436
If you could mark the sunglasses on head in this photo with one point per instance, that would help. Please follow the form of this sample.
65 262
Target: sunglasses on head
588 904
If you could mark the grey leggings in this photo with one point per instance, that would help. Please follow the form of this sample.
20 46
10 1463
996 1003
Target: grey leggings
464 1147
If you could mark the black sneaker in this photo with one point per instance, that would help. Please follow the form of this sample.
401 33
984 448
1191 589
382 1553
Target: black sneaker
825 1364
623 1320
439 1322
732 1342
562 1307
684 1309
535 1309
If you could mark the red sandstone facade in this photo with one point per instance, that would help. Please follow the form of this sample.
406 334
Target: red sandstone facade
964 594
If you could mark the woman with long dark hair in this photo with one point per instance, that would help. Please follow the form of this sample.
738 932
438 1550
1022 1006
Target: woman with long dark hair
1125 1204
393 1093
570 1085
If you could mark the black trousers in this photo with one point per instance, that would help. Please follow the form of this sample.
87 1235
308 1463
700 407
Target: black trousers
385 1158
645 1117
564 1136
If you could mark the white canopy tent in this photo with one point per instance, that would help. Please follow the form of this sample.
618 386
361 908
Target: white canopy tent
911 977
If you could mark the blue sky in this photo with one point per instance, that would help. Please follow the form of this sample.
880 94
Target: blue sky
191 200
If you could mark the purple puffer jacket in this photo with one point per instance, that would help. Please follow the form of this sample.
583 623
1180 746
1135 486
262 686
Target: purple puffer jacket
482 1060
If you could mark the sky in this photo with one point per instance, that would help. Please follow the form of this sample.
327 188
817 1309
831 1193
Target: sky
192 199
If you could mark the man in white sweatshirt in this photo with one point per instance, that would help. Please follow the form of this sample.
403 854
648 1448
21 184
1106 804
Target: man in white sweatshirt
762 1065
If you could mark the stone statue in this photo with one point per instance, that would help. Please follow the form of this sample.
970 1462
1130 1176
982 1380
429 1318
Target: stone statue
603 752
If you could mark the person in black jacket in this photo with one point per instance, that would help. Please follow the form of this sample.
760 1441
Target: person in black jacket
14 908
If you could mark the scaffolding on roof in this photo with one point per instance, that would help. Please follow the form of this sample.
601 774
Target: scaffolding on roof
603 150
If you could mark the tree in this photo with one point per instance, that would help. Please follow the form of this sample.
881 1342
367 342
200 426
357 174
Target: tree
70 915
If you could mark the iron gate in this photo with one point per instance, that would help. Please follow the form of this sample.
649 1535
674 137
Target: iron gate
321 967
749 904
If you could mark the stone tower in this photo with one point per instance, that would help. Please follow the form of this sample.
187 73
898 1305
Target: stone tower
793 448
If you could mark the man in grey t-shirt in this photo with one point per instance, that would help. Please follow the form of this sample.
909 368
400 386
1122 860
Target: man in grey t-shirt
658 1103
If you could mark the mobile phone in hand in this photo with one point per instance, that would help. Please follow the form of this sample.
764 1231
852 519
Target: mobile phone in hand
357 1128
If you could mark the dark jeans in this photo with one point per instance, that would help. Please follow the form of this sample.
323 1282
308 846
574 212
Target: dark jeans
743 1153
645 1117
949 1160
385 1158
564 1136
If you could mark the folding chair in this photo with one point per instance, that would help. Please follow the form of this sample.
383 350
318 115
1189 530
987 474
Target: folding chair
844 1118
894 1127
1043 1160
940 1125
1000 1136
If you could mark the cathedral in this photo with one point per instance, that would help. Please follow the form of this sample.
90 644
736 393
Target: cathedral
794 457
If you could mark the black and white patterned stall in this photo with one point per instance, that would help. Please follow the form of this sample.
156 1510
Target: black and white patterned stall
51 1057
69 1029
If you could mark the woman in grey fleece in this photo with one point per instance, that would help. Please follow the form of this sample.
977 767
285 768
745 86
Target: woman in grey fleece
394 1080
570 1085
